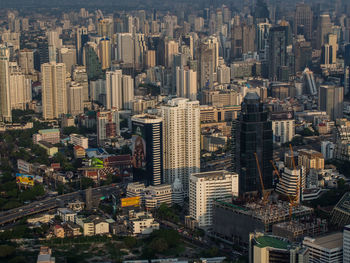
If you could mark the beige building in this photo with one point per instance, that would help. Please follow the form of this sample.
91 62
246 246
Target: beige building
54 90
142 223
311 159
75 99
5 102
20 88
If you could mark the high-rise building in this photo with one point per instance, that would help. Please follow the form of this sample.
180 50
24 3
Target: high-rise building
108 126
283 126
92 62
81 38
310 86
20 88
209 61
26 61
204 188
54 90
331 100
303 21
105 53
290 183
278 59
67 55
5 102
181 140
252 134
303 54
75 99
327 55
147 149
105 28
324 27
171 48
119 90
125 48
186 83
80 76
224 74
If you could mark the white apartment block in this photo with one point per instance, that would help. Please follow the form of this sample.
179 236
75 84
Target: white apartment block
186 83
20 88
75 99
77 139
142 223
119 90
181 140
204 188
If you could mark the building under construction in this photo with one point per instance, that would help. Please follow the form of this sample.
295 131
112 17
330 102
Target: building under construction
296 230
233 221
341 212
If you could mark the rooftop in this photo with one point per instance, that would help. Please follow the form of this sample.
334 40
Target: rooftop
330 241
49 131
270 241
212 174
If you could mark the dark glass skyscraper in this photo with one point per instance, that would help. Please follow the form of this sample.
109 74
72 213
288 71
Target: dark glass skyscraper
252 133
147 149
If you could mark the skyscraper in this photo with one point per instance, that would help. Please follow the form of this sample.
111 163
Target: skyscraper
108 126
5 102
324 27
278 61
26 61
105 53
75 99
331 100
92 62
252 133
54 91
186 83
209 61
181 140
147 149
81 38
20 88
303 21
119 90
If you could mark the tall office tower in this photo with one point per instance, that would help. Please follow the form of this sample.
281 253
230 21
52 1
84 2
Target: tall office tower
236 41
331 100
140 48
5 102
171 48
262 37
204 188
92 62
224 74
327 55
347 55
105 53
98 91
108 126
54 90
20 88
278 60
188 41
346 244
346 80
54 39
332 41
309 85
119 90
147 149
75 99
25 24
252 133
302 53
105 28
81 38
186 83
26 61
198 24
80 76
181 140
248 38
303 21
290 181
125 48
324 27
209 61
128 23
150 58
261 12
67 56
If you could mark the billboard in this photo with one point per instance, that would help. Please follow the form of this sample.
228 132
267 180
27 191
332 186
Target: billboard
138 146
56 166
96 163
24 179
131 201
24 166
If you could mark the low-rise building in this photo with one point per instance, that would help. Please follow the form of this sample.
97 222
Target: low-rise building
79 152
58 231
45 256
67 215
141 223
79 140
49 148
328 248
48 135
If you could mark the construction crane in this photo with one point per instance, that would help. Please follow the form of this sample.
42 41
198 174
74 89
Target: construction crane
265 194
